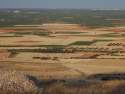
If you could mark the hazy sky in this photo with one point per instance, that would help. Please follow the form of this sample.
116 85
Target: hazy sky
102 4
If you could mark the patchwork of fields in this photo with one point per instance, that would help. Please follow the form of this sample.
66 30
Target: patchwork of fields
57 50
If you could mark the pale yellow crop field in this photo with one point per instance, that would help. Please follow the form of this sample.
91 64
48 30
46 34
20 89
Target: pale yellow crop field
97 66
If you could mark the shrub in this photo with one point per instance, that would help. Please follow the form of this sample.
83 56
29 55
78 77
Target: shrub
12 82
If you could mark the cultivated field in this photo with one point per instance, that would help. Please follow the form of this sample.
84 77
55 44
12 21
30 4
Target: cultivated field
62 50
63 56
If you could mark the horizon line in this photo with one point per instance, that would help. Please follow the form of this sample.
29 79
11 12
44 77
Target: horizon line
69 8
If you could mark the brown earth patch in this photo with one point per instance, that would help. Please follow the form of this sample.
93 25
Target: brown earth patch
118 30
4 54
7 30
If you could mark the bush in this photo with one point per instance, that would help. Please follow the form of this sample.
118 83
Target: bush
12 82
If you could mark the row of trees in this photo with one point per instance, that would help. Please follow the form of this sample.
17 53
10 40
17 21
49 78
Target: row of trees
83 17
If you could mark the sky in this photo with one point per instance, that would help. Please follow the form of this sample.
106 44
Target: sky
85 4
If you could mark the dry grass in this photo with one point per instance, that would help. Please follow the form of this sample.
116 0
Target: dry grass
12 82
109 87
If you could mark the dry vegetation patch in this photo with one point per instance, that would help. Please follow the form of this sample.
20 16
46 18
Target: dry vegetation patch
109 87
12 82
